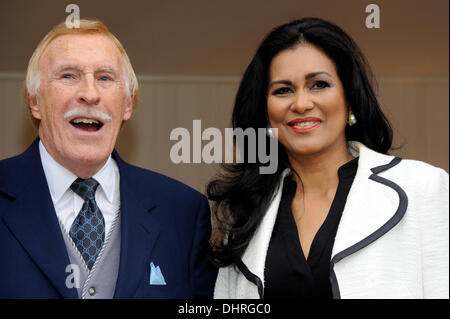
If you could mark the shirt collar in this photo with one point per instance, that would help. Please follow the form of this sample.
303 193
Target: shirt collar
60 178
108 177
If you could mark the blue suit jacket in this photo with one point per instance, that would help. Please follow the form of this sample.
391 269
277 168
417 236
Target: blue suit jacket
163 221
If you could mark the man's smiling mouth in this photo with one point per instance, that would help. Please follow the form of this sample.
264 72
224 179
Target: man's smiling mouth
86 124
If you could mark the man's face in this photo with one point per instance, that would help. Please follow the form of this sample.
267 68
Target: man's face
82 100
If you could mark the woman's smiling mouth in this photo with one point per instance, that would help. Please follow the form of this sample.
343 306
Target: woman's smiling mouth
304 125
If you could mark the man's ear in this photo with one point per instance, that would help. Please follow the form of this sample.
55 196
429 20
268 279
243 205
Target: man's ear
128 108
35 108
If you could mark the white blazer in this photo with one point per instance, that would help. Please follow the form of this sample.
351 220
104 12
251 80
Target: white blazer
391 242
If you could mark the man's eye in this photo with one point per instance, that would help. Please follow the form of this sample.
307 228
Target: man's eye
67 76
320 85
282 91
105 78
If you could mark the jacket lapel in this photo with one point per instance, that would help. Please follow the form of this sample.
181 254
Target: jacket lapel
140 230
32 219
374 205
253 260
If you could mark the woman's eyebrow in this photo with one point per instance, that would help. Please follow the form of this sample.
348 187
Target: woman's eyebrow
285 82
314 74
307 77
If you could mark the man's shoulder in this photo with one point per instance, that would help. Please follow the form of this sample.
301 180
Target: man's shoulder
15 173
12 165
15 163
150 181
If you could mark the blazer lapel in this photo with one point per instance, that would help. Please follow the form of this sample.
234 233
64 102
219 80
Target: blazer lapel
140 230
32 219
252 263
374 205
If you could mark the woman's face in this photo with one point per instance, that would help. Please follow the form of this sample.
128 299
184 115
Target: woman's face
306 101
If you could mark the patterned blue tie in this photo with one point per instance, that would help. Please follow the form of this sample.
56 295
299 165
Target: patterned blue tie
88 229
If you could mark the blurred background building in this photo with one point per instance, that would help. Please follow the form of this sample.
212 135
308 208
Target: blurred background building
189 57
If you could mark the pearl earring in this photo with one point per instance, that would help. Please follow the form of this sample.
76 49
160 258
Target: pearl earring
351 119
269 132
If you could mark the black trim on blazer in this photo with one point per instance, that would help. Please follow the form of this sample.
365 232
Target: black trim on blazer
251 277
401 209
400 212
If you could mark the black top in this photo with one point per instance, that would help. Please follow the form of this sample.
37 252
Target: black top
288 274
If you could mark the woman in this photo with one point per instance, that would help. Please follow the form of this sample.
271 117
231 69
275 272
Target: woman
340 218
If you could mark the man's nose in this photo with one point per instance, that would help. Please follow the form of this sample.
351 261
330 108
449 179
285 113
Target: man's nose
88 94
302 102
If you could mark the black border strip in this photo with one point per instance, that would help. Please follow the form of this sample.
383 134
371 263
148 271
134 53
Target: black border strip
401 209
251 277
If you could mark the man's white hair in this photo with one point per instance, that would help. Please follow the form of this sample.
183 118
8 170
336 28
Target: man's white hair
33 76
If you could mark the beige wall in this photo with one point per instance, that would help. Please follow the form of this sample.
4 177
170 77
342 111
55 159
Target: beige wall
218 37
418 107
180 39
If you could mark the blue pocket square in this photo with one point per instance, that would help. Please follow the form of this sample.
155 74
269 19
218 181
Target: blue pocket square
156 276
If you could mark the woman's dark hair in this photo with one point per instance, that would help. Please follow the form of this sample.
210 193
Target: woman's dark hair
241 195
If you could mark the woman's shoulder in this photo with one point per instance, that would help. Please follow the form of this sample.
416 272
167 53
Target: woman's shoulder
425 185
416 170
425 177
423 168
414 175
398 164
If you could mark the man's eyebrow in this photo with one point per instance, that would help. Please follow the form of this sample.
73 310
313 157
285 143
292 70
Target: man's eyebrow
106 69
66 67
69 67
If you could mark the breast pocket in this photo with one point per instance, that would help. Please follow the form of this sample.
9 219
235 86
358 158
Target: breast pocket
160 282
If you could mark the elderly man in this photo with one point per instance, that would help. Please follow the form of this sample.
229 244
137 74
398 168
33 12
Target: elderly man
76 221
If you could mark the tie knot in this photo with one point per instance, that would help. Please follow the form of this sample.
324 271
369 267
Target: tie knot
85 188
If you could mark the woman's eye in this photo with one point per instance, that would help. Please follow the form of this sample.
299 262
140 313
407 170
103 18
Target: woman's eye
282 91
320 85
